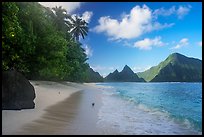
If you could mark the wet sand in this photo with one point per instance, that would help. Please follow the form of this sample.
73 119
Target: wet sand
47 94
55 118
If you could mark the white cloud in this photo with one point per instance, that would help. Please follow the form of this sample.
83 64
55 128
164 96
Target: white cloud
87 16
180 12
146 44
157 26
164 12
128 44
200 43
104 75
132 25
102 68
88 50
181 43
140 69
69 6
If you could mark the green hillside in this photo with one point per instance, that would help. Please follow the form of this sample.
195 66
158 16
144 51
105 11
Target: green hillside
93 76
176 67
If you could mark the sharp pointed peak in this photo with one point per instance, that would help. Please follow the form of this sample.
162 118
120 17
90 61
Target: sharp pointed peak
126 67
116 71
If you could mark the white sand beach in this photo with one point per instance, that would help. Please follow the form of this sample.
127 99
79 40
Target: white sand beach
65 108
60 108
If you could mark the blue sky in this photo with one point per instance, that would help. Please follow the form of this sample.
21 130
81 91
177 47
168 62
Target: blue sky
138 34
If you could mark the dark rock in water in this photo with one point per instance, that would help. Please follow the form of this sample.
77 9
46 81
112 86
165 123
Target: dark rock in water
17 91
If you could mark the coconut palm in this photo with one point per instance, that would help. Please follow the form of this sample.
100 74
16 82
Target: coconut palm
60 17
78 27
66 23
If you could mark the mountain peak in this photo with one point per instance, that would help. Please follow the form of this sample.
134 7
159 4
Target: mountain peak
176 55
126 75
126 67
116 71
176 67
127 70
93 76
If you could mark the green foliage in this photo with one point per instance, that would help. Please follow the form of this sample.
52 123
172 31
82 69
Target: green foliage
78 27
51 57
11 34
36 42
175 68
59 19
149 74
75 62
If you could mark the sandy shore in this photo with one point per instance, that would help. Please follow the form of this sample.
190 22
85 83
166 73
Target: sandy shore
61 108
65 108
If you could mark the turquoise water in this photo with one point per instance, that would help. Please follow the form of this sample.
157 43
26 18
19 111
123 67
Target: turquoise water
163 108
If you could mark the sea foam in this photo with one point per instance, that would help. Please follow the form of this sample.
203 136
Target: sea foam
127 115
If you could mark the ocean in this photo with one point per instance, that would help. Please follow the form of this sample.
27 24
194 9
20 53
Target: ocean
167 108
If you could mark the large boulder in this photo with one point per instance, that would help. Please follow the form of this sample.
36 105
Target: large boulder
17 91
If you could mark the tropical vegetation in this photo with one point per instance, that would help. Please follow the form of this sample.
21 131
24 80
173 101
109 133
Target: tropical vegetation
43 43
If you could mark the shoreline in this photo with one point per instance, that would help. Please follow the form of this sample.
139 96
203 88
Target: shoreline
47 94
61 108
66 109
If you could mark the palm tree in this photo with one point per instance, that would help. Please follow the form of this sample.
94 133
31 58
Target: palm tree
59 17
78 27
66 23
